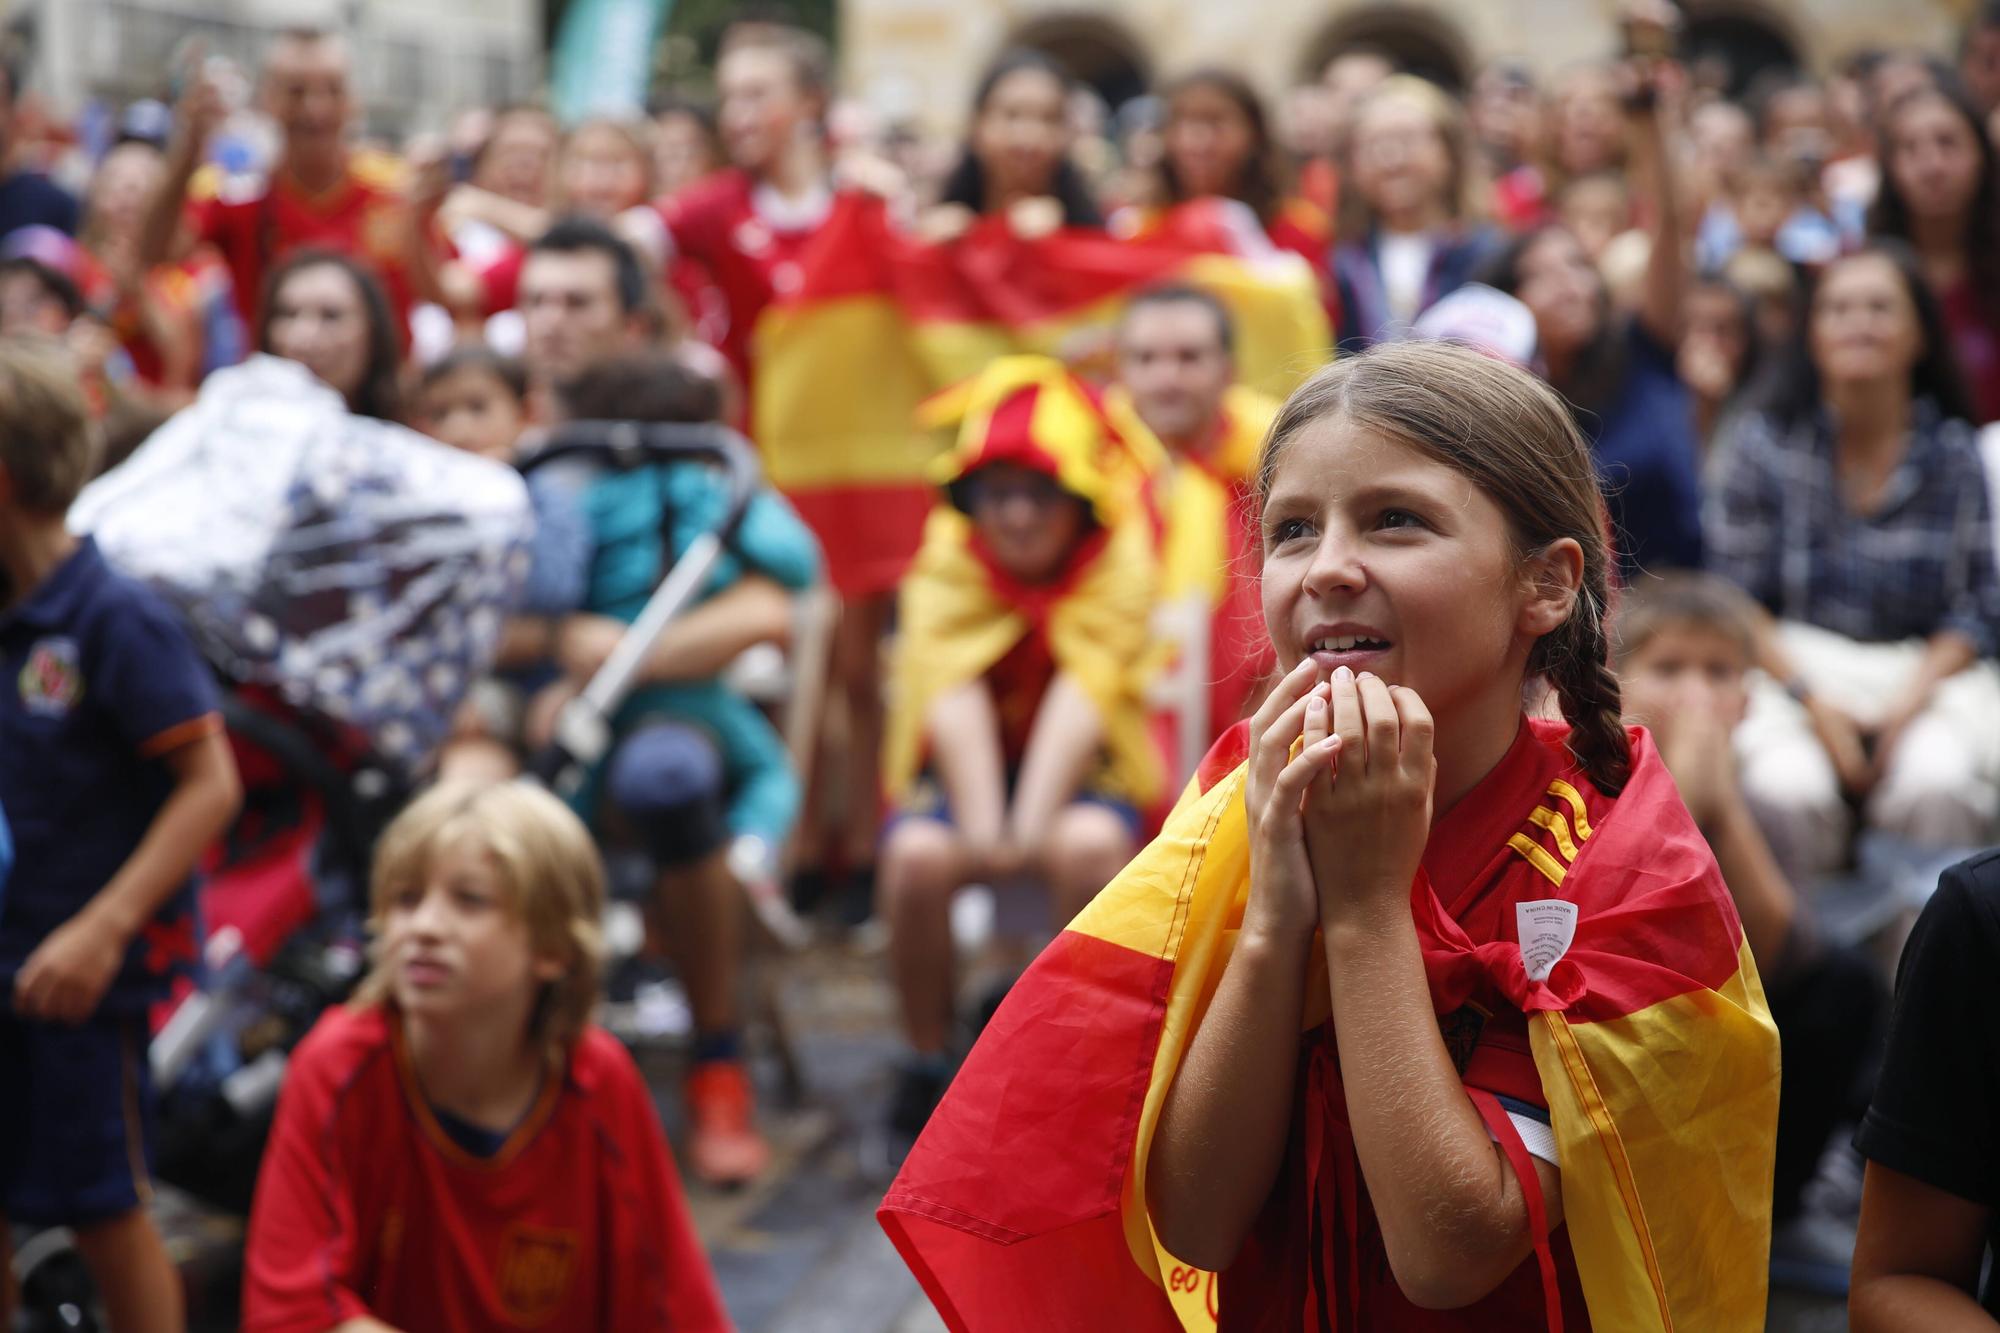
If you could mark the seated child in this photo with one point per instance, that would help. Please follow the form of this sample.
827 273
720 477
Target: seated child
1683 644
1017 742
115 777
1922 1258
459 1147
698 777
474 399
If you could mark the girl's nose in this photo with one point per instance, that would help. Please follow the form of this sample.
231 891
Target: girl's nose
1336 566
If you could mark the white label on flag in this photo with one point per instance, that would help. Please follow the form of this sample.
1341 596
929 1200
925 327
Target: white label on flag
1546 926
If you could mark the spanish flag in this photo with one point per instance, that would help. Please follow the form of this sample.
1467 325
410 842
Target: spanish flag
880 321
961 612
1648 1043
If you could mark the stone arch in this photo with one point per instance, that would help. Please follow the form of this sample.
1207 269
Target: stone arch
1101 54
1416 39
1746 38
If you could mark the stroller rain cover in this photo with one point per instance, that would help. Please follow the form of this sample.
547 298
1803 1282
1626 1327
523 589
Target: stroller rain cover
359 569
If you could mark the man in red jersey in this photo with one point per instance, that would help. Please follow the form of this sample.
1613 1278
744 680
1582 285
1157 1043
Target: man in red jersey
749 225
319 192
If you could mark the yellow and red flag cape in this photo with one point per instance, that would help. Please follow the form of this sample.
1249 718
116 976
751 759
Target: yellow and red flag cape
1022 1204
879 321
959 614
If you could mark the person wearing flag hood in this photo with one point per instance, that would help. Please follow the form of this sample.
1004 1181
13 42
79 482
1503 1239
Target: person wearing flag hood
1017 742
1426 1010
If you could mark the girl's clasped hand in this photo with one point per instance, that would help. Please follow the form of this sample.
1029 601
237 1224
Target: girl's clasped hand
1339 790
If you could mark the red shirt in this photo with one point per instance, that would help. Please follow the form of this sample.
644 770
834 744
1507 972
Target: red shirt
752 256
365 1208
362 214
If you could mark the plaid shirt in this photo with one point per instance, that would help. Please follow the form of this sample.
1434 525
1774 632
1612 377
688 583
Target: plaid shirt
1922 562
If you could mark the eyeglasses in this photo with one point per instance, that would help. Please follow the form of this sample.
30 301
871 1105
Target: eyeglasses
990 492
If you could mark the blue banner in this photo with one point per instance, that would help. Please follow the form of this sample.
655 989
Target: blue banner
603 57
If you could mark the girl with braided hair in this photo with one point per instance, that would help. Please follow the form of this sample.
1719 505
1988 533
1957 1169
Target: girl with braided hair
1415 974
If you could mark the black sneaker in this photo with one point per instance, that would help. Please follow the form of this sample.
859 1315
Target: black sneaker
919 1088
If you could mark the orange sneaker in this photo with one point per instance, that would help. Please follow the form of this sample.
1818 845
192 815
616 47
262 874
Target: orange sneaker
724 1147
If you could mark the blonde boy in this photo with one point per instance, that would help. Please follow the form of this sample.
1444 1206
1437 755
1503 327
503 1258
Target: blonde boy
460 1147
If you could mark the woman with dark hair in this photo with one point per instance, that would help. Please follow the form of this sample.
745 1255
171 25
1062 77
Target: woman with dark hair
327 312
1016 151
1854 509
1941 193
1618 372
1217 144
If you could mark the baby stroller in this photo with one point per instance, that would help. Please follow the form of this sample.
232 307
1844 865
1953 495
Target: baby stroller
346 579
583 733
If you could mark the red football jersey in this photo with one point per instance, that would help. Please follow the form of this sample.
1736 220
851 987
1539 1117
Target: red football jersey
752 253
364 214
365 1207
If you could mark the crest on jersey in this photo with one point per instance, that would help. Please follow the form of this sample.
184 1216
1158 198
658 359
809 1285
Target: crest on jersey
51 680
535 1268
752 237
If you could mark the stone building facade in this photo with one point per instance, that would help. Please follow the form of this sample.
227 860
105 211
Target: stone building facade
918 59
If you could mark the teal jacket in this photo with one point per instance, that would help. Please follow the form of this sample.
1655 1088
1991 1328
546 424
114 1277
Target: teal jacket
631 550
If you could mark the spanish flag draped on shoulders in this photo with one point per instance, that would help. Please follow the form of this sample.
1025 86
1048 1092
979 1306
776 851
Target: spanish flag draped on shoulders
1646 1044
962 614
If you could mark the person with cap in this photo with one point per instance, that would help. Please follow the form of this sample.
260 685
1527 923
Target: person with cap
1017 743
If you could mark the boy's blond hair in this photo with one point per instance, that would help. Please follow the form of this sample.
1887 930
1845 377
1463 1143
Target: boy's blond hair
47 443
1683 599
548 872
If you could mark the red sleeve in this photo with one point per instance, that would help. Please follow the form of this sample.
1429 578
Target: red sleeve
501 280
698 219
656 1272
299 1251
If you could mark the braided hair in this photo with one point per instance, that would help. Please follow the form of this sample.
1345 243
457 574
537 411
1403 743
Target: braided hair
1511 435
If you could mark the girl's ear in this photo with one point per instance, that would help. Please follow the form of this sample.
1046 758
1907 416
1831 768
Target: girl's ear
550 968
1552 578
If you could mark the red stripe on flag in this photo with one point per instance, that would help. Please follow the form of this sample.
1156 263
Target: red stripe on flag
869 533
1057 1080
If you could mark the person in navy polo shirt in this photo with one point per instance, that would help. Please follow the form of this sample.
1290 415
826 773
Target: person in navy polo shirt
115 777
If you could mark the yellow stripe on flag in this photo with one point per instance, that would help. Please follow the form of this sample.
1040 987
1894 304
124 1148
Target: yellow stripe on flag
1684 1172
836 396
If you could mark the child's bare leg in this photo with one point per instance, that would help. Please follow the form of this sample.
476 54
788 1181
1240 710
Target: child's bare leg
129 1264
701 914
1086 848
923 865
